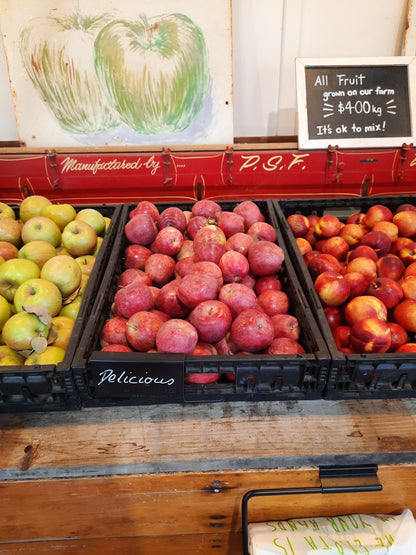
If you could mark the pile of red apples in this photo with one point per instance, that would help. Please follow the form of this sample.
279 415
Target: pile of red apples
364 272
202 281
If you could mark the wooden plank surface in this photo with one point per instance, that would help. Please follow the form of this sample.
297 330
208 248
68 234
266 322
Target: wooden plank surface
206 437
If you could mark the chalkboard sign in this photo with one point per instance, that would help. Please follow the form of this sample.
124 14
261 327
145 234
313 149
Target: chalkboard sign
356 102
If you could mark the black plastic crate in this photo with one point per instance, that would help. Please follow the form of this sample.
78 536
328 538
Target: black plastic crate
160 378
52 387
352 376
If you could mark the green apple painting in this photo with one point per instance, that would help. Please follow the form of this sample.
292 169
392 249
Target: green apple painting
103 76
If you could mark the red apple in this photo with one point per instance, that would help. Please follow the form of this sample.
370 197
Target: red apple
332 288
207 268
172 216
202 349
250 212
299 224
8 250
334 316
352 234
407 254
362 251
363 265
160 268
356 218
408 287
405 314
168 300
398 336
406 348
206 207
262 231
209 244
141 229
358 283
337 246
240 242
252 330
237 297
234 266
161 314
212 320
370 335
117 348
249 280
390 266
231 223
133 298
323 263
169 241
186 250
141 330
132 274
363 307
405 206
378 240
145 207
303 245
114 331
399 244
286 325
328 226
377 213
389 228
406 222
265 258
184 266
176 336
342 336
409 270
195 288
135 256
195 224
284 346
267 282
273 302
388 290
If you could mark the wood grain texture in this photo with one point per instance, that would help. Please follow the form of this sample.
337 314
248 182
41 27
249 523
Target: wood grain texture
206 437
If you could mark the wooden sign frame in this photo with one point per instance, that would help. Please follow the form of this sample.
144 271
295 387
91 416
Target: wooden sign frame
359 102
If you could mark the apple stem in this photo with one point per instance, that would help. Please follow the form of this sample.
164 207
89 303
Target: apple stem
148 28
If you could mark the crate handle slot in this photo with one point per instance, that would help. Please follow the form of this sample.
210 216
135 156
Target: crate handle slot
334 479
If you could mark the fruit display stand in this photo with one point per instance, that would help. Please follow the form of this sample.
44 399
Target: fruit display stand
171 477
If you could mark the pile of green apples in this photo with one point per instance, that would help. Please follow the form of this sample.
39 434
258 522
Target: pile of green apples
47 253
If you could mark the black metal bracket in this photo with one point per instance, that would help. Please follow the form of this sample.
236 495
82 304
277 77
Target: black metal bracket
333 479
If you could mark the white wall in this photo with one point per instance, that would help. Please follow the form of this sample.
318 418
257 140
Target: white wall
267 37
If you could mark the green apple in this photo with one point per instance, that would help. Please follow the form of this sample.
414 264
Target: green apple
6 210
98 246
32 206
86 263
51 355
9 357
38 292
71 309
58 55
155 72
61 214
79 238
64 271
8 250
107 223
21 328
92 217
40 228
10 231
63 327
13 273
5 311
38 251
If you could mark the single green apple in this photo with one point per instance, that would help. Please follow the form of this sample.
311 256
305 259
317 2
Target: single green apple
21 328
32 206
10 231
155 71
38 292
13 273
6 210
86 263
79 238
92 217
58 55
71 309
61 214
9 357
38 251
40 228
64 271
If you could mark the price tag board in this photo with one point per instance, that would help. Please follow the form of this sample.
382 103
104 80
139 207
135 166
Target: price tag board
356 102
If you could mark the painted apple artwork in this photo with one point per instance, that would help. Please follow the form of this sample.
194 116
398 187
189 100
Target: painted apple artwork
154 71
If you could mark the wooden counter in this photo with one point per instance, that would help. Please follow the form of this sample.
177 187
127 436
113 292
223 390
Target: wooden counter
170 478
